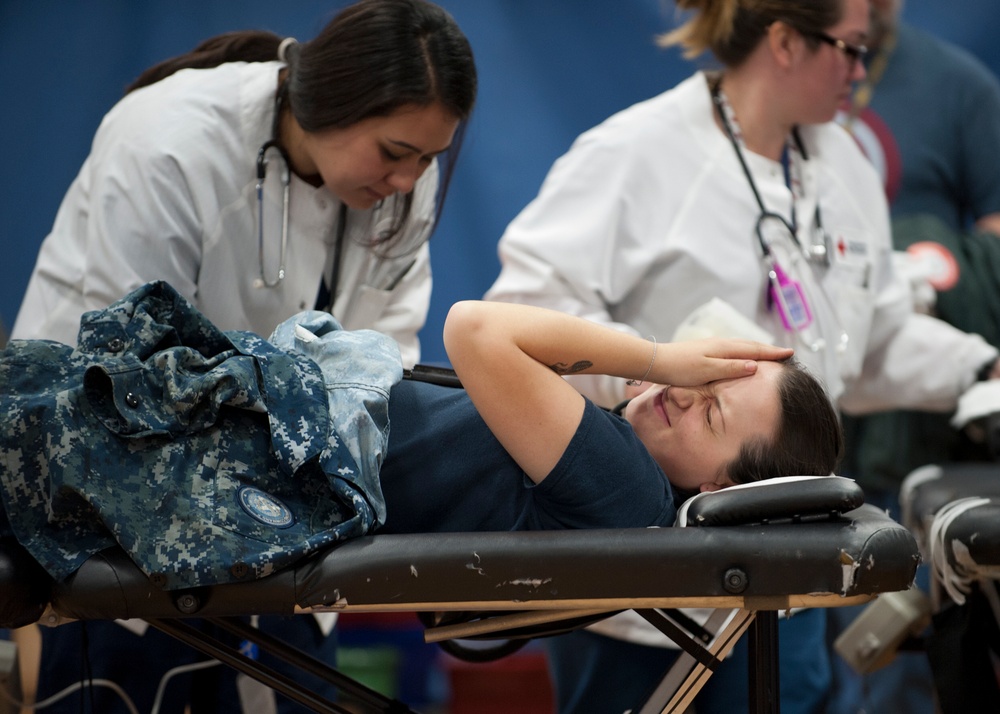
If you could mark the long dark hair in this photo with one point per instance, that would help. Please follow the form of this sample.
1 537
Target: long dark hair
372 58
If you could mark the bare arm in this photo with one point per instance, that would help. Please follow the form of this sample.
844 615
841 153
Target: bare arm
511 359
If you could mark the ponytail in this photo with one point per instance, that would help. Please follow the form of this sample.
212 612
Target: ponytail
244 46
732 29
711 27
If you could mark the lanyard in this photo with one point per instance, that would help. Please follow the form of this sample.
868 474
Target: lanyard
792 155
784 292
792 180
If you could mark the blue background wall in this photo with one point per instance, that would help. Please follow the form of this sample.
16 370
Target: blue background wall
549 69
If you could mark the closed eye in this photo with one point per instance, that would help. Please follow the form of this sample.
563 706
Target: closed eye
722 418
390 155
712 405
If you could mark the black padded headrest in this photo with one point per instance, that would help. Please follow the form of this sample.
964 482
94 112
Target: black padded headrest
777 499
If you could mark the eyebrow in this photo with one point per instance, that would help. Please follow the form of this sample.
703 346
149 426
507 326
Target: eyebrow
416 150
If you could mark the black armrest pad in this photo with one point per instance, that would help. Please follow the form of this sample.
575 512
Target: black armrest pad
977 528
793 498
927 489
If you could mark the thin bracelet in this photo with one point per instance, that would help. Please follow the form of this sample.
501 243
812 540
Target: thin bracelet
636 383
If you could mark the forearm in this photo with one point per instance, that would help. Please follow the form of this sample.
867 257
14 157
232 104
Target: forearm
481 334
511 359
925 365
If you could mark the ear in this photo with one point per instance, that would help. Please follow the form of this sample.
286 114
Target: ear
709 486
784 43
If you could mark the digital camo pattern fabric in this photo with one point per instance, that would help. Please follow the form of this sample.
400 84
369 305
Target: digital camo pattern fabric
209 456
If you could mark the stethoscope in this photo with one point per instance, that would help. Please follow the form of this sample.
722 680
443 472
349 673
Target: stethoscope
786 292
286 180
272 146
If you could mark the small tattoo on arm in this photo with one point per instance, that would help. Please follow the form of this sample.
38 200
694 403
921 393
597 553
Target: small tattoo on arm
561 368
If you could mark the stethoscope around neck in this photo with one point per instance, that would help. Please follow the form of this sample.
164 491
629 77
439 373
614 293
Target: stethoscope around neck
268 150
286 180
786 293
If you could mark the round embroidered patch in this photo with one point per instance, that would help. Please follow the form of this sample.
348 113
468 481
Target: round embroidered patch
942 266
265 508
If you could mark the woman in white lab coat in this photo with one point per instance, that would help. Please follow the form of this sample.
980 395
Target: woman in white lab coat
355 120
736 185
259 177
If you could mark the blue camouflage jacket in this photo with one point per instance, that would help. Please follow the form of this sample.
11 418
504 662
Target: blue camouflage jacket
209 456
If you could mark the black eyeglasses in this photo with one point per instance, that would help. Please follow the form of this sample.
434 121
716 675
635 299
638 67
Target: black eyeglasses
855 53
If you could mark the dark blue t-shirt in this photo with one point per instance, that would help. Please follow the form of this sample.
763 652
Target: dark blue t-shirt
445 472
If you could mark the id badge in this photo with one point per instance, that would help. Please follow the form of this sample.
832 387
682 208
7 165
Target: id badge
790 300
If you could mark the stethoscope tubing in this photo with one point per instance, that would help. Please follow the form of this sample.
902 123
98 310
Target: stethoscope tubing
817 254
286 180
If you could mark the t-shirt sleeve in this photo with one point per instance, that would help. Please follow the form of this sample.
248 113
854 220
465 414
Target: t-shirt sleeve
605 479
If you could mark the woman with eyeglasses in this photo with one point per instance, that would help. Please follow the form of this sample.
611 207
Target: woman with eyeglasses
260 177
735 185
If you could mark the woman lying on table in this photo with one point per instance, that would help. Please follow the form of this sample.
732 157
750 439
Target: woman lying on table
217 456
521 449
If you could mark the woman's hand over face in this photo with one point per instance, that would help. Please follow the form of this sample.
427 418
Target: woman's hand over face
695 362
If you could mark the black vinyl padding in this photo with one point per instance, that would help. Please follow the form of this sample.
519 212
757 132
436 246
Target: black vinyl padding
954 481
783 539
978 529
774 501
758 562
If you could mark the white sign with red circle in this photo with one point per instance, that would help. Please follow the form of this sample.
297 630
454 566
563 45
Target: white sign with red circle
940 265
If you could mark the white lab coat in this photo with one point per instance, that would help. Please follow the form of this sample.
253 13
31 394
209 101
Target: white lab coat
649 216
168 192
